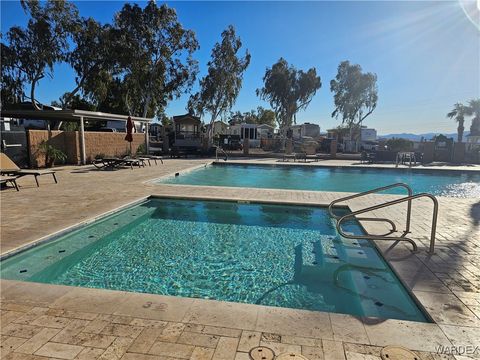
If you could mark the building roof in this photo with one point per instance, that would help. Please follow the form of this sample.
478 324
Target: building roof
266 125
67 115
185 117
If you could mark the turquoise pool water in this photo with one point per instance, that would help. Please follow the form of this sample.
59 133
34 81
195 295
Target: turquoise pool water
442 183
286 256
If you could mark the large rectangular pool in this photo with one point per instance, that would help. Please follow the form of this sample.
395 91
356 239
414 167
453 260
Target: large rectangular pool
287 256
439 182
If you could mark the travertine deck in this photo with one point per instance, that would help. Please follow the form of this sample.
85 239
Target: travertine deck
41 321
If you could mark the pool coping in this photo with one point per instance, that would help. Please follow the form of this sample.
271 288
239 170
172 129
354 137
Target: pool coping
157 181
350 166
177 173
54 236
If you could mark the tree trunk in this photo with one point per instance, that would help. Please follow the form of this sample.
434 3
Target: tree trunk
210 130
32 95
147 103
460 130
69 97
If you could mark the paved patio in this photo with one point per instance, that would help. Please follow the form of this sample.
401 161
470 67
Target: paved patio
41 321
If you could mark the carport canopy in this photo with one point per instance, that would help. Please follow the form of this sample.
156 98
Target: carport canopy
74 116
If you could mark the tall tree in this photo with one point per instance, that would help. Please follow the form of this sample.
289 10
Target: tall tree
288 91
473 109
355 94
12 78
219 89
458 112
92 59
265 116
156 55
43 42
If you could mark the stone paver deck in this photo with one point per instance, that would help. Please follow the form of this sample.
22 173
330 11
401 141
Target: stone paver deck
40 321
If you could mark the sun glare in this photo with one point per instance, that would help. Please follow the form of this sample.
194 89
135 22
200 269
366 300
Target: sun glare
472 11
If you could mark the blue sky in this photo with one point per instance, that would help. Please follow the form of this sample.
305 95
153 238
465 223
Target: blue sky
426 54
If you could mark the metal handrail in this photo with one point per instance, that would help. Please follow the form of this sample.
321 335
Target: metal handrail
397 238
224 152
376 190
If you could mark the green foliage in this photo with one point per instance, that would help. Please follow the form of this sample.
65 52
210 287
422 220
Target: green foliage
52 154
92 59
70 126
219 89
166 121
43 43
399 144
155 55
115 101
288 90
458 112
11 79
473 109
76 102
141 149
355 94
265 116
259 117
345 131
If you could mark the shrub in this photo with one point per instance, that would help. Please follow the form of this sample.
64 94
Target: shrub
51 153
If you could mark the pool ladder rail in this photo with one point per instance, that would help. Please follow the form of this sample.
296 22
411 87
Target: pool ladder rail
219 149
387 236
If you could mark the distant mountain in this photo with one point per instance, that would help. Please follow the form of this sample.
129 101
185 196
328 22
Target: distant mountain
418 137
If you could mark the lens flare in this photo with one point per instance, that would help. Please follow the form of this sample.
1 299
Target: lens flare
471 8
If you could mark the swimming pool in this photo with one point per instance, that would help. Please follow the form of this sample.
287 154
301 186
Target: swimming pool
287 256
440 182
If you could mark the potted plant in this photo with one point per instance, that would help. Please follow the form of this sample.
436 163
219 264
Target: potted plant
51 153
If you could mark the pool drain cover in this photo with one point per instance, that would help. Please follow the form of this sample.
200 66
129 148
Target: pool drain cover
398 353
291 356
261 353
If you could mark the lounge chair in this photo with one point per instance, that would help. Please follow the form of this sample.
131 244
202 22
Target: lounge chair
295 156
367 157
152 157
8 167
9 179
115 163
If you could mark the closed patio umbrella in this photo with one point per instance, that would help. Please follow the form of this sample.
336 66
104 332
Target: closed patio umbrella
129 136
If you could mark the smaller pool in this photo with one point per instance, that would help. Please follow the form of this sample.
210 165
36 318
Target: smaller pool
287 256
439 182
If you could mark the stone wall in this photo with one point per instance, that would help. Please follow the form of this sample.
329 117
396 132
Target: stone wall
96 144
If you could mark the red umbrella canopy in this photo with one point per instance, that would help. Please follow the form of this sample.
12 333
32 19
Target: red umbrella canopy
130 125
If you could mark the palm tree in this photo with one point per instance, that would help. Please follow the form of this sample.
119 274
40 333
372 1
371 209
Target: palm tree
473 109
458 112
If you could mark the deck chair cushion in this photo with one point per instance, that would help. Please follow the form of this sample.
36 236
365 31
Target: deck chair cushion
6 164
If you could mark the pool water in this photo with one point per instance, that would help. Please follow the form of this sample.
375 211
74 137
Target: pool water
440 182
287 256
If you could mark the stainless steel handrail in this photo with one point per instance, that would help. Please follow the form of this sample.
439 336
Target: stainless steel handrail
376 190
397 238
224 152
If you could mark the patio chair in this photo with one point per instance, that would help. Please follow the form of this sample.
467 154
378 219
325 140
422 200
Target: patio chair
286 157
301 156
153 157
131 161
8 167
112 163
367 157
9 179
